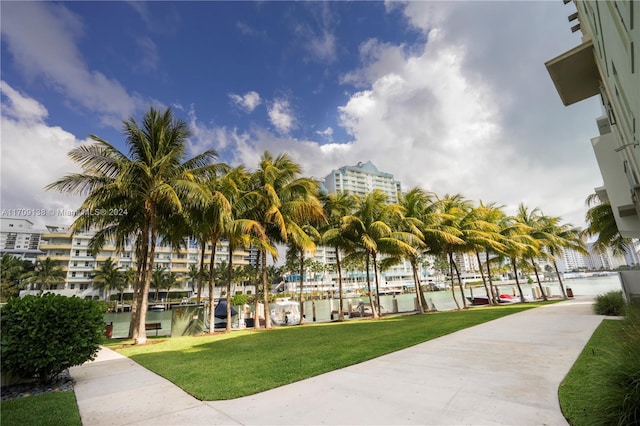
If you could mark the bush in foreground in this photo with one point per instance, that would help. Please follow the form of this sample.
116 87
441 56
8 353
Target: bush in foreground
44 335
611 303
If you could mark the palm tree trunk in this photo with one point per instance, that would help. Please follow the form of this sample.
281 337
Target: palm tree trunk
453 289
203 246
214 240
555 266
142 332
229 278
416 282
515 272
484 280
142 254
301 287
265 289
371 300
341 303
464 299
375 270
494 294
535 269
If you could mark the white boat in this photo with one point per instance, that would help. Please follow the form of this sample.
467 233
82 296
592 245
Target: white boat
286 312
156 308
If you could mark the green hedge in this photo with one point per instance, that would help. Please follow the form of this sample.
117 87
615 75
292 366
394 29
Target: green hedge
44 335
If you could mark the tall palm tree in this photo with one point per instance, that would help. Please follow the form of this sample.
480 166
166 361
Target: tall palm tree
564 236
517 242
535 221
335 207
108 277
453 209
46 273
281 200
369 228
479 234
151 184
301 242
494 216
240 233
601 222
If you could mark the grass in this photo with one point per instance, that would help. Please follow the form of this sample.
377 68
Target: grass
603 386
241 363
581 390
49 409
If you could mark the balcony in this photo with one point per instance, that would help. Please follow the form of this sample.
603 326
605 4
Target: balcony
575 74
55 246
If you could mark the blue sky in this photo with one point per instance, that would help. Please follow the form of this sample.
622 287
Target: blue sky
451 96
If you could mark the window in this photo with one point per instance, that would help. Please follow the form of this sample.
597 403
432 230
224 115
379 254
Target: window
73 274
77 252
72 286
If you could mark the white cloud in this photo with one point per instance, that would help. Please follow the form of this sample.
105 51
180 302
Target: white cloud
41 38
247 102
33 154
149 57
280 115
326 133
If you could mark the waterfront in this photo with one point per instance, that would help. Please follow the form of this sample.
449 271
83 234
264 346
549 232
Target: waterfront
442 300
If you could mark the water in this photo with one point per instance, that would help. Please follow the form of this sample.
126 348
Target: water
442 300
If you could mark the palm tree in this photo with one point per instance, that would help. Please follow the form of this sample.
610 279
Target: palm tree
281 200
108 277
602 222
517 242
535 221
335 207
369 228
453 209
151 184
192 275
488 241
46 273
564 236
301 242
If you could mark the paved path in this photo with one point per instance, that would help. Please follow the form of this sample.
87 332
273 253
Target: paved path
504 372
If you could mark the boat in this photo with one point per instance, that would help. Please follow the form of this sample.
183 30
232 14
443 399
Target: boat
484 300
285 312
156 308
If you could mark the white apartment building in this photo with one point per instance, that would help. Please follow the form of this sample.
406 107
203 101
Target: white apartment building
607 63
71 252
19 238
362 179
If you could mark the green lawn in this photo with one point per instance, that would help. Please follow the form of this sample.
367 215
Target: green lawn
226 366
49 409
581 390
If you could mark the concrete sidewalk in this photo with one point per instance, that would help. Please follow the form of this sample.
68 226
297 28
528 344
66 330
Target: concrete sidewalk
503 372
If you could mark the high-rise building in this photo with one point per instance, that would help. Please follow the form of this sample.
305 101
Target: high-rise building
362 179
19 238
71 253
607 63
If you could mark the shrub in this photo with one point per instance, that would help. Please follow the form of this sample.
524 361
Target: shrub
44 335
611 303
620 403
239 299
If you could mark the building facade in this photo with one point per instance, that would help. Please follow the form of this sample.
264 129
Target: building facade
19 238
607 64
362 179
71 253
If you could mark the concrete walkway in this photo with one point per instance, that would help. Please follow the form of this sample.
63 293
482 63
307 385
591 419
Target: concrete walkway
504 372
